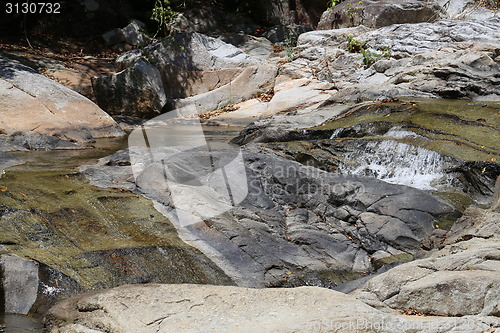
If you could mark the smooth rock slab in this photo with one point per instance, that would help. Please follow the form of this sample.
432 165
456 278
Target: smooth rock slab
201 308
30 101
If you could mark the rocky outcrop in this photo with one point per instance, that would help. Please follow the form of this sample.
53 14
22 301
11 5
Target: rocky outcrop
30 102
323 228
451 59
376 14
194 308
421 144
464 272
213 72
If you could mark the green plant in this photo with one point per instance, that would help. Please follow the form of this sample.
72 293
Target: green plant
163 15
369 57
332 4
352 11
292 36
354 45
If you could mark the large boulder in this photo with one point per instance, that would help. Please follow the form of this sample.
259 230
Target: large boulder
135 91
30 101
197 308
191 63
19 284
378 14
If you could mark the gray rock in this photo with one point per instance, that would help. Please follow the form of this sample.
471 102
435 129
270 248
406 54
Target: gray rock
132 34
424 37
462 278
378 14
137 91
450 59
258 47
197 308
19 283
215 74
322 227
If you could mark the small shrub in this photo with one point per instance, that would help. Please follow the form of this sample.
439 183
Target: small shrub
163 15
369 57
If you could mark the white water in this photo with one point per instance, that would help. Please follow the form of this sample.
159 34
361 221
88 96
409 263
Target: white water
398 163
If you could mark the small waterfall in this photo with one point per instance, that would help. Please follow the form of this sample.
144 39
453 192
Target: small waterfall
336 133
398 163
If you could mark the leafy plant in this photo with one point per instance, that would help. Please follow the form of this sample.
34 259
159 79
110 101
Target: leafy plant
163 15
352 11
369 57
354 45
292 36
332 4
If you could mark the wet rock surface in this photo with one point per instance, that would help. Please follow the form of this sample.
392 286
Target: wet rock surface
432 144
323 228
83 238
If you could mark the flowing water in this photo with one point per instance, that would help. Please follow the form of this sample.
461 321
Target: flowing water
87 238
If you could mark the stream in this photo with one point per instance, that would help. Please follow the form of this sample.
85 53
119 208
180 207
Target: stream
87 238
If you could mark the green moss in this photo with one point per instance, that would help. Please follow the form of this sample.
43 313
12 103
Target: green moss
99 237
465 130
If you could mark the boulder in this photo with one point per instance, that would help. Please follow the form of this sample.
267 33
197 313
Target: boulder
19 283
376 14
48 108
465 273
132 35
191 63
198 308
212 73
136 91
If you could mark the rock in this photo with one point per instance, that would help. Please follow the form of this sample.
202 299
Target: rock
132 35
441 35
213 73
322 227
377 14
297 95
36 141
48 108
285 34
281 12
467 10
251 81
137 91
19 283
259 47
449 59
197 308
465 272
